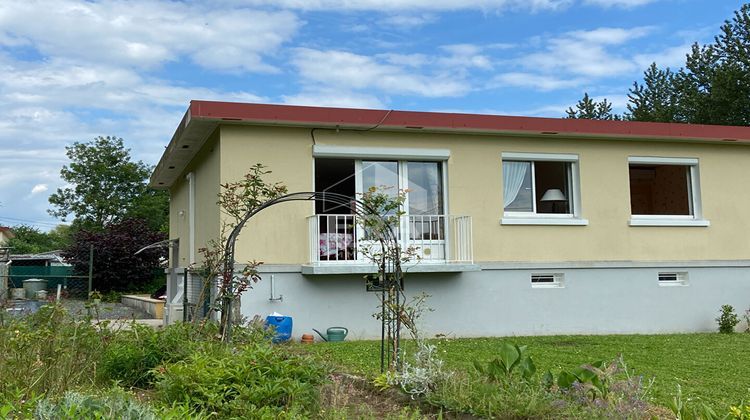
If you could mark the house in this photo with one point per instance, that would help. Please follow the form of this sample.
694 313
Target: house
6 234
524 225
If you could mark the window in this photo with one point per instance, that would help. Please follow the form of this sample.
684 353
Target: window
424 222
673 279
540 189
664 192
547 280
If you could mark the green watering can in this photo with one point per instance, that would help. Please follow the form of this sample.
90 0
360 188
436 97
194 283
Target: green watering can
333 334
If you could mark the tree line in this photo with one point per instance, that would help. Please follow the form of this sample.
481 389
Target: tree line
108 206
713 87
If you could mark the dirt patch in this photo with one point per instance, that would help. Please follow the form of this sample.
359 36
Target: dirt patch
349 396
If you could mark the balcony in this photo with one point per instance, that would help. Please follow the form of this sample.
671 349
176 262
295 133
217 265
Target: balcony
441 243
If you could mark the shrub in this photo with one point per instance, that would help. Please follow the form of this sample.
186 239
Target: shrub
727 319
131 356
420 375
256 380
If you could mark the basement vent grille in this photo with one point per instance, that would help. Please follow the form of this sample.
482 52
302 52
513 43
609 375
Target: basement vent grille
547 280
673 279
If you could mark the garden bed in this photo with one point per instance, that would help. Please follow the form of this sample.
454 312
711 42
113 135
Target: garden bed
712 367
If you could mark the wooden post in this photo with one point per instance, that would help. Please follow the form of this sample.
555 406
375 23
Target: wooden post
91 268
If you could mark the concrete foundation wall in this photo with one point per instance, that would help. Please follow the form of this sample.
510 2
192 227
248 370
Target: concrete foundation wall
500 301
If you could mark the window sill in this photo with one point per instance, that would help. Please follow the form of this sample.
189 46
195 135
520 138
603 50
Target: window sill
553 221
672 284
670 222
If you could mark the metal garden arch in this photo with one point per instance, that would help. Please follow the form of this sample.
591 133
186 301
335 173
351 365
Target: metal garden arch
389 273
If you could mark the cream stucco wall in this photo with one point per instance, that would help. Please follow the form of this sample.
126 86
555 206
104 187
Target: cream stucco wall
279 235
206 172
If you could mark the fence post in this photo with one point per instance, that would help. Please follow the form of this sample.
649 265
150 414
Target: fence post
91 267
185 296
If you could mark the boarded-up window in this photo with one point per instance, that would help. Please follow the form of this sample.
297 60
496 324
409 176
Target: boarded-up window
660 189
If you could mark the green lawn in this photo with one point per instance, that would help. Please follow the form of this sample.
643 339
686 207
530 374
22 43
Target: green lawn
714 367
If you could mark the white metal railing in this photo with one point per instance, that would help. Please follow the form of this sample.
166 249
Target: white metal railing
437 238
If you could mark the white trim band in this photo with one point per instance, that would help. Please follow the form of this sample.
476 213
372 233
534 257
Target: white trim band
552 157
544 221
636 221
662 160
395 153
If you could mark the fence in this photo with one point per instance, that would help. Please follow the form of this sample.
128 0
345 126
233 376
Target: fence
73 285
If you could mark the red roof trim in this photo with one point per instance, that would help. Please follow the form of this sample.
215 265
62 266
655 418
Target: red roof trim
350 117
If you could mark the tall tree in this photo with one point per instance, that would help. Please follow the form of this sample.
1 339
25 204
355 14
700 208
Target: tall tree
106 185
116 267
30 240
656 99
714 86
589 109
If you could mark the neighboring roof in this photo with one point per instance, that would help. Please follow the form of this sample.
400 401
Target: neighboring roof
43 256
202 118
7 231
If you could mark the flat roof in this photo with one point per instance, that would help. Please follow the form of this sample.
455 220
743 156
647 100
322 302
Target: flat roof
202 118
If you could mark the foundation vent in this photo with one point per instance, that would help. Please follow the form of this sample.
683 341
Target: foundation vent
672 278
547 280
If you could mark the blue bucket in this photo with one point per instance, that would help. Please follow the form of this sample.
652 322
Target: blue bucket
282 327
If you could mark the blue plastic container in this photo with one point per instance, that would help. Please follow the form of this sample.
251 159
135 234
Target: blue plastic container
282 327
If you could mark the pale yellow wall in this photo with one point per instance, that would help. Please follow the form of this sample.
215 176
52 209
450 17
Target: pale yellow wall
279 235
178 221
205 168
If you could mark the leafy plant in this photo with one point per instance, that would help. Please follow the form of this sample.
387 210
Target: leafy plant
511 359
255 380
133 354
111 404
422 375
727 319
685 409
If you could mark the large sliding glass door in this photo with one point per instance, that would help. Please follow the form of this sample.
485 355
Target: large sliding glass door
422 227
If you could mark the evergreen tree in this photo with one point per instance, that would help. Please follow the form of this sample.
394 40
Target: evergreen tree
656 99
589 109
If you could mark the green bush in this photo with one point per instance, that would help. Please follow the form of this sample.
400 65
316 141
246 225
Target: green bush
255 380
727 319
132 355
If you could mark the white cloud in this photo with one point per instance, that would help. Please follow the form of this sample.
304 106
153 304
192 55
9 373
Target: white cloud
399 5
534 81
408 21
673 57
335 98
39 188
147 33
348 71
585 53
619 3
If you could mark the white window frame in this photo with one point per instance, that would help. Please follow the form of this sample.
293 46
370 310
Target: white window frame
694 195
534 218
558 281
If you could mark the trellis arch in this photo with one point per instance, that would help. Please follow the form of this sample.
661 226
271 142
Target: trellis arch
389 268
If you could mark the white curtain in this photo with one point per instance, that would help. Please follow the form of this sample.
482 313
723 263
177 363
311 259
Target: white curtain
513 176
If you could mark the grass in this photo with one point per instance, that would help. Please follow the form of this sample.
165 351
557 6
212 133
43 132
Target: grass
712 367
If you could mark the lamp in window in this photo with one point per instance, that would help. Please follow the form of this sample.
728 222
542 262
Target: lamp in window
554 196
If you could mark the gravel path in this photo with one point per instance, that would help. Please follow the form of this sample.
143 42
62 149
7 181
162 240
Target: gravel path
106 310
